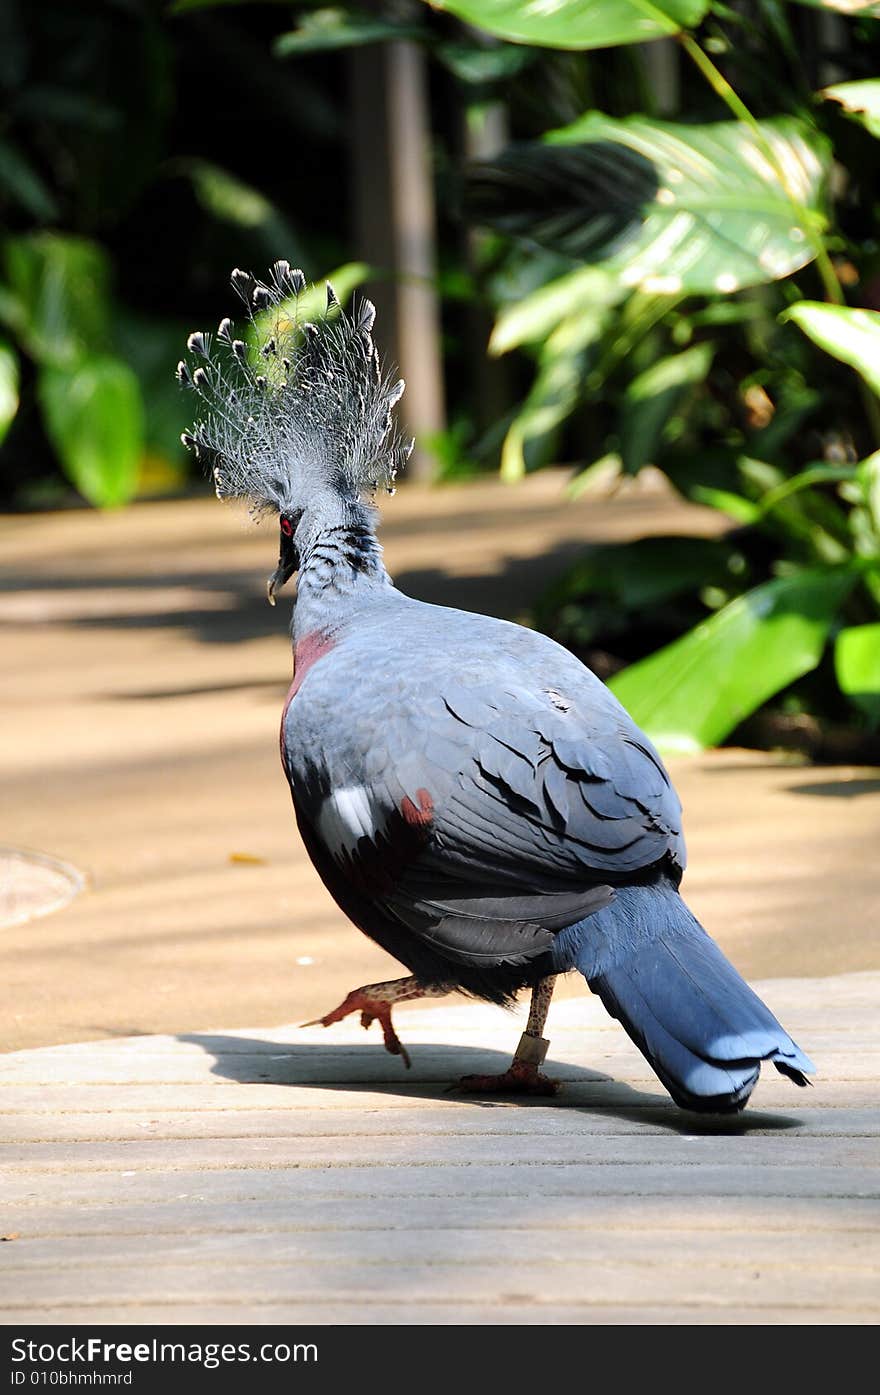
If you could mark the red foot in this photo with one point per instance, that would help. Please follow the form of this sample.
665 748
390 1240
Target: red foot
371 1010
520 1079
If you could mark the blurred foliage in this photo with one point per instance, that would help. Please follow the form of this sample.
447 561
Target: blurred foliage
678 257
674 259
143 154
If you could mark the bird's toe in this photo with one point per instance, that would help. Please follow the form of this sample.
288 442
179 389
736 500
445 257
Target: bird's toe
520 1079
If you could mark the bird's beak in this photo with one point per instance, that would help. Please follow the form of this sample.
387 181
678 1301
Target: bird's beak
288 563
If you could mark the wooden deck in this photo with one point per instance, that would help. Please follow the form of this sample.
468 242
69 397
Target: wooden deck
298 1176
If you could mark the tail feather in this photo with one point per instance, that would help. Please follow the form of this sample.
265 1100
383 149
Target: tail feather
693 1078
704 1031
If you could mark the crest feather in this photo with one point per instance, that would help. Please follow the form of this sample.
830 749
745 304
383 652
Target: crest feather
293 405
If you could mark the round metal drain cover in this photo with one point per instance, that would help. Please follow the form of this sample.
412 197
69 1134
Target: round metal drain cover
32 884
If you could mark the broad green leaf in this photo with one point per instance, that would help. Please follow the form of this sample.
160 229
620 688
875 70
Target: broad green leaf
652 397
860 99
583 201
853 336
94 418
719 218
58 296
578 24
692 693
857 664
8 387
587 292
333 28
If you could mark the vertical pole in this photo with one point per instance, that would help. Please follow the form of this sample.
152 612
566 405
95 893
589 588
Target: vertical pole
414 231
485 132
662 72
394 224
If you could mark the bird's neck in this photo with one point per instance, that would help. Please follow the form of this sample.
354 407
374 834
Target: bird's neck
341 570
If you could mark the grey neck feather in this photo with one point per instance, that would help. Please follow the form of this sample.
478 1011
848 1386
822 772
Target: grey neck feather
341 567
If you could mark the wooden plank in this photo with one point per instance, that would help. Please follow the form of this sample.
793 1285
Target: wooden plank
367 1065
414 1180
644 1214
234 1175
426 1122
153 1098
853 1251
263 1313
784 1149
586 1279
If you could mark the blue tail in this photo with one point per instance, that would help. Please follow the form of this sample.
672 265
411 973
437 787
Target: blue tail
684 1005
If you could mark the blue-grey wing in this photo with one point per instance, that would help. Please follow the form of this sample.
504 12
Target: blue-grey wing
485 819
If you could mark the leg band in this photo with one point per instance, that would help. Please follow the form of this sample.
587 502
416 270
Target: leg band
532 1050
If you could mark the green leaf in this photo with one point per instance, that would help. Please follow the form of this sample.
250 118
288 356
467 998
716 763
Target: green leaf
853 336
580 200
149 346
58 296
94 418
473 63
558 385
857 664
805 479
692 693
719 219
726 501
587 292
578 24
329 29
311 305
21 181
8 387
225 197
671 209
860 99
652 397
646 572
869 478
552 396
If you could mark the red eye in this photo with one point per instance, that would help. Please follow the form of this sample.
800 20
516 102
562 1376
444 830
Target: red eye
287 527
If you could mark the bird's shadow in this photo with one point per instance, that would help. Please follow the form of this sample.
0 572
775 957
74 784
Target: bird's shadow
437 1068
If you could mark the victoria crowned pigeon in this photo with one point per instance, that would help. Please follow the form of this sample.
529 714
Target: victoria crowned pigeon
473 798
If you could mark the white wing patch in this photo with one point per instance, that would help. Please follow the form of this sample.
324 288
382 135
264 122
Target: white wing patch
347 816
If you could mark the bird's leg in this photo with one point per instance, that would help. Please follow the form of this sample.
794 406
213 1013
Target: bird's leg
374 1002
523 1075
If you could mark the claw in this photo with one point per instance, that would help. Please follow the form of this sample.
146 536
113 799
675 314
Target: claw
371 1010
